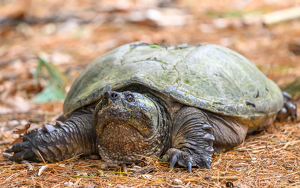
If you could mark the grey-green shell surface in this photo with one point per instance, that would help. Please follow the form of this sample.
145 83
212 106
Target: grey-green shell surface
209 77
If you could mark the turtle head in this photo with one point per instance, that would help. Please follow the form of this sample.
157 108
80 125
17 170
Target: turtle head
128 126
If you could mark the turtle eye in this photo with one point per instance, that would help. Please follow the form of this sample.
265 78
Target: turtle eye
130 98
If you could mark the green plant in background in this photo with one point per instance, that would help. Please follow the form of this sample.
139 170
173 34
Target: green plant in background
293 88
55 87
233 13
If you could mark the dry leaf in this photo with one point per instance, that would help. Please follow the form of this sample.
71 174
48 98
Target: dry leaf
21 132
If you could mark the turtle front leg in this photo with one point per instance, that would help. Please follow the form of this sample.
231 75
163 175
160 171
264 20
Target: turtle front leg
191 140
196 134
55 143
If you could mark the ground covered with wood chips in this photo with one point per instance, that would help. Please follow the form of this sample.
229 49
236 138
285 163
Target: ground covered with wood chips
71 34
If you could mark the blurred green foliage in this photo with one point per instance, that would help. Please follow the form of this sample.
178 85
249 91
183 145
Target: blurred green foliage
233 13
293 88
56 83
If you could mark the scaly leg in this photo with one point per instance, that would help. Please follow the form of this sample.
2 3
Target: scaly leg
191 139
75 136
196 134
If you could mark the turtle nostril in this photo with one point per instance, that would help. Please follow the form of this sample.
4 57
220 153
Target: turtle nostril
106 95
114 95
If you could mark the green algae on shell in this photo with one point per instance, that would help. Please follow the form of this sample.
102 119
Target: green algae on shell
209 77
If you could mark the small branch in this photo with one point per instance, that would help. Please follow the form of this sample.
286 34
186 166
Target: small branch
29 166
228 178
215 178
42 169
280 16
145 170
41 157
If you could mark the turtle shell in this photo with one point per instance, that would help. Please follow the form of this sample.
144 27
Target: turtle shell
209 77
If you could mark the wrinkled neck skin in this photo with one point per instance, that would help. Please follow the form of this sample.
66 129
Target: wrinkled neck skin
130 125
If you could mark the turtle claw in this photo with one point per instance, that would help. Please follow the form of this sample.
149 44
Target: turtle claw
173 162
190 166
206 165
9 150
185 159
22 151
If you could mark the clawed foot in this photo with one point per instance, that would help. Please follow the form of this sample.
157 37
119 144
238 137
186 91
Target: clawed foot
23 150
27 150
186 159
289 109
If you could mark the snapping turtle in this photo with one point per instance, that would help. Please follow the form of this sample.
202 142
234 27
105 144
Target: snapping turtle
181 102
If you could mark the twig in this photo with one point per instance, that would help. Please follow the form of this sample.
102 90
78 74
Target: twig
76 156
231 178
280 16
42 169
298 172
187 185
41 157
12 176
263 147
77 182
215 178
145 170
249 154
